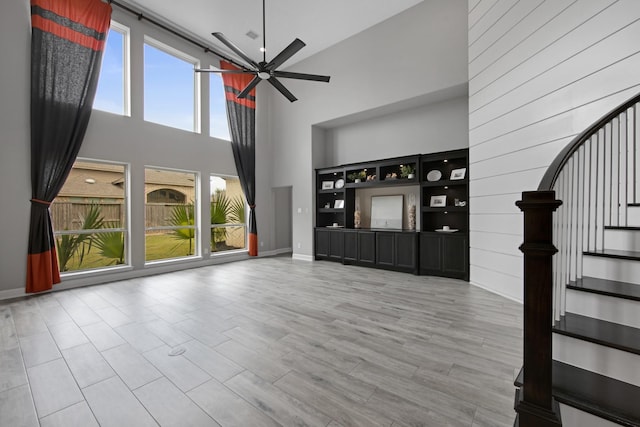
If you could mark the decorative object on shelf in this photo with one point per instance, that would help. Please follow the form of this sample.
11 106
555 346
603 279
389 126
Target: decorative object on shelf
438 201
446 229
407 171
371 178
338 204
357 176
392 175
339 183
411 202
458 174
327 185
412 217
356 213
386 211
327 205
434 175
458 202
335 225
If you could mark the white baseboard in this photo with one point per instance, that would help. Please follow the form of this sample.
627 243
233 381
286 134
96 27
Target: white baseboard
300 257
12 293
493 291
275 252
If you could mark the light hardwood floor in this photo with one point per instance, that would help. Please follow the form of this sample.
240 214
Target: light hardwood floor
264 342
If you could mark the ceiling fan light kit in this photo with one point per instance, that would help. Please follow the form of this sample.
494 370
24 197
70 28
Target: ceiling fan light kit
266 70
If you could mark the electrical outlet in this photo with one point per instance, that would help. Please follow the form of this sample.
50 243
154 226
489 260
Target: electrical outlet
299 245
299 210
261 244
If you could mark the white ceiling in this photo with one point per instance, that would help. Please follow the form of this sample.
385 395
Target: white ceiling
319 24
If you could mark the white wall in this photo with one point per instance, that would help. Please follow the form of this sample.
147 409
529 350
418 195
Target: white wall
110 137
429 128
420 51
539 73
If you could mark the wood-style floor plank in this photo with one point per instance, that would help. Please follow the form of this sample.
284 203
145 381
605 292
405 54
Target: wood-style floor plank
267 342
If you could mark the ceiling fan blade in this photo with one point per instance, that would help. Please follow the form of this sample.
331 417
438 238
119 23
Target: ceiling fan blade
286 53
213 70
301 76
253 83
283 90
235 49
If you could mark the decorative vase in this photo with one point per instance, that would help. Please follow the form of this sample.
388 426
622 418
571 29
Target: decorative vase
411 176
412 217
356 219
357 180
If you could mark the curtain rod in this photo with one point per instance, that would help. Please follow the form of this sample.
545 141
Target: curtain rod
164 27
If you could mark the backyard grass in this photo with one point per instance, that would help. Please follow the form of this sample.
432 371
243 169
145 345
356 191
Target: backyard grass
157 246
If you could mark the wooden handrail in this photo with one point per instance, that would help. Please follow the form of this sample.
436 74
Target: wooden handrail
553 171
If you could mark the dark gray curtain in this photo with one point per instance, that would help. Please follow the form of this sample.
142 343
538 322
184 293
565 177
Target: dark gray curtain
241 114
67 41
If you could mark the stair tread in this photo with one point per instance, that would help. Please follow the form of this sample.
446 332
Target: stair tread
614 335
597 394
607 287
615 253
621 227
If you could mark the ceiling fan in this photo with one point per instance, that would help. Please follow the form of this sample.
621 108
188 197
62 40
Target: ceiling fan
266 70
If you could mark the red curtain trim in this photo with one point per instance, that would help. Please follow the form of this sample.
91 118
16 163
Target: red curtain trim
42 271
66 33
90 13
253 244
242 101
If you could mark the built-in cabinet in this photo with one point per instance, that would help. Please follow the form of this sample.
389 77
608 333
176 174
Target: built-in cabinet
440 247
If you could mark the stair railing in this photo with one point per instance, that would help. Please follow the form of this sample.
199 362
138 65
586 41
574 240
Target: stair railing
591 184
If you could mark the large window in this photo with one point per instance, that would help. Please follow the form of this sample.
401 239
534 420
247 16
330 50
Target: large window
228 220
219 126
171 87
171 209
90 217
113 87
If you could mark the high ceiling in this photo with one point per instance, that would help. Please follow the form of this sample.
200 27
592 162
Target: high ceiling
319 24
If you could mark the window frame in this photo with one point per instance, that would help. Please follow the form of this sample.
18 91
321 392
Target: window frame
197 82
245 225
197 225
127 265
126 68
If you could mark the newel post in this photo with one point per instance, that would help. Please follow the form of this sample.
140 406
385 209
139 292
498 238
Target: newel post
535 404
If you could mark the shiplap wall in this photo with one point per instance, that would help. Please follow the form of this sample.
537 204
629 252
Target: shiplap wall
540 72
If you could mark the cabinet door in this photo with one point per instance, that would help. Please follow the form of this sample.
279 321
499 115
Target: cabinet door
366 247
405 248
430 252
336 245
385 249
350 245
322 244
454 256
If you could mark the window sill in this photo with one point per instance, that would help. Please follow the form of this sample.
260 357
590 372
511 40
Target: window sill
95 272
160 262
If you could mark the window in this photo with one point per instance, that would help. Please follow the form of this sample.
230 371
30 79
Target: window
171 209
90 217
219 126
228 208
113 86
171 87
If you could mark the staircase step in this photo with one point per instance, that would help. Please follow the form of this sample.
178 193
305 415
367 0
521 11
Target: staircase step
610 288
621 266
615 253
600 332
596 394
602 306
622 238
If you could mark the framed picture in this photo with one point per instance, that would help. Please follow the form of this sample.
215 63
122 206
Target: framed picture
438 201
338 204
458 173
327 185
